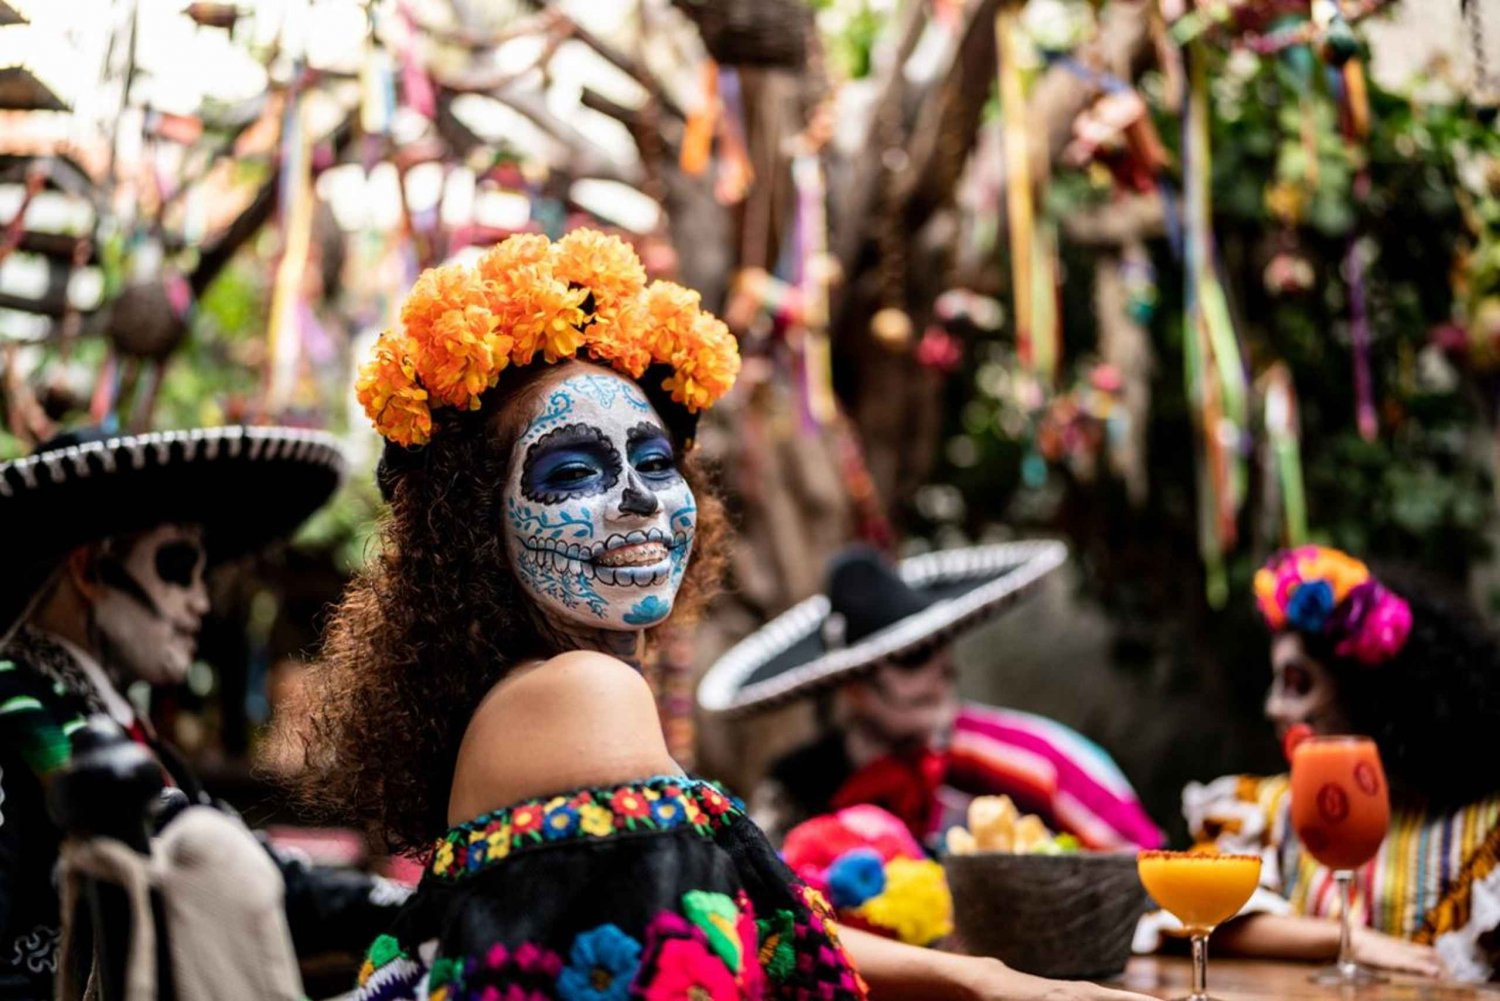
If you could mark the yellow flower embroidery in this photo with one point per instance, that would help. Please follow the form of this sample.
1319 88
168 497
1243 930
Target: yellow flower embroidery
595 820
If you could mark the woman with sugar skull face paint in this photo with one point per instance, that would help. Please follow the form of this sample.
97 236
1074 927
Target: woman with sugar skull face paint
479 699
1396 659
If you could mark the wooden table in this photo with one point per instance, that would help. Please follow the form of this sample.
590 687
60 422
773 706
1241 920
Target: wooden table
1267 980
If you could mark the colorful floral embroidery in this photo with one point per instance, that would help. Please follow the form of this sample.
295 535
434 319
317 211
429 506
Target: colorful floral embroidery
657 804
601 966
717 917
778 956
595 820
630 804
526 819
561 821
680 965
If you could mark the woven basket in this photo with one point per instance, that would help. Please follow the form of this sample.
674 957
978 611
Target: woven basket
752 32
1070 916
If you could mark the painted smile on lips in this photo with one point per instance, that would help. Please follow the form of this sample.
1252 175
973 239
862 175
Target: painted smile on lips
634 559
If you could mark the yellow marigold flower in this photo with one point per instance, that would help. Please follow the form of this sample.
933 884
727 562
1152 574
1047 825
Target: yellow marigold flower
605 265
387 389
596 820
915 903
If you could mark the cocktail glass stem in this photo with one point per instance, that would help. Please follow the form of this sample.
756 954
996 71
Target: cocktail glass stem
1348 968
1200 967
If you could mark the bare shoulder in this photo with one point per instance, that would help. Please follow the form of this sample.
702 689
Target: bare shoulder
579 719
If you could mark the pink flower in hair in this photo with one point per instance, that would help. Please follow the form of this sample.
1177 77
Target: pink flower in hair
1381 632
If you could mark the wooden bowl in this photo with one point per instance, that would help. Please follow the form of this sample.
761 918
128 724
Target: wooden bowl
1068 916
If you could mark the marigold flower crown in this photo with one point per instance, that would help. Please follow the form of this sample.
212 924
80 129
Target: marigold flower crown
1325 592
526 300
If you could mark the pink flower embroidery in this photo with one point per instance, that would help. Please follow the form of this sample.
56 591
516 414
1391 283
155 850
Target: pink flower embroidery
680 966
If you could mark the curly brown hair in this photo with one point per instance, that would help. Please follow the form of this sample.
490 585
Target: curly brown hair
435 620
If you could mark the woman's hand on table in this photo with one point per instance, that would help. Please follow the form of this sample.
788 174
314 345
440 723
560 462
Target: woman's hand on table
897 972
994 981
1276 936
1374 948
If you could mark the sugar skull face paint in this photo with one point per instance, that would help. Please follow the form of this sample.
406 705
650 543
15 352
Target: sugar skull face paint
151 603
599 522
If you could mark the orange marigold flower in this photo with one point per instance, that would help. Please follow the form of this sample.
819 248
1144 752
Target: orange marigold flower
605 265
542 314
438 290
617 338
512 254
460 348
704 365
387 389
669 314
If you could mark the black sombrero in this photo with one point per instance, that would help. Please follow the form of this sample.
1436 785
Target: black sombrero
873 613
245 485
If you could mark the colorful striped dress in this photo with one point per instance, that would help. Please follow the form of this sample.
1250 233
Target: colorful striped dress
1435 879
1047 768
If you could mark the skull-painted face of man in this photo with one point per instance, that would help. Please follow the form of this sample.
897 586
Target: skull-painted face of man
150 602
599 521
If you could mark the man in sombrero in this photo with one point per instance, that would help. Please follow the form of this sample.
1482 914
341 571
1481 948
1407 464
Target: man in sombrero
107 540
896 735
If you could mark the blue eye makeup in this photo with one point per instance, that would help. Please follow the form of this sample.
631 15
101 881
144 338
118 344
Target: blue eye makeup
575 460
650 452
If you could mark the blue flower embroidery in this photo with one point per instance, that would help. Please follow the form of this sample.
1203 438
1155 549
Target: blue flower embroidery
601 966
668 811
560 822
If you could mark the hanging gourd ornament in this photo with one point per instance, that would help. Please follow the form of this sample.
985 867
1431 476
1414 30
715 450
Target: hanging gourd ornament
148 319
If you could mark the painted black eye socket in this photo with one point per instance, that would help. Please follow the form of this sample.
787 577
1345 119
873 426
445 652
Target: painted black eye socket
1298 679
651 451
576 460
176 562
655 464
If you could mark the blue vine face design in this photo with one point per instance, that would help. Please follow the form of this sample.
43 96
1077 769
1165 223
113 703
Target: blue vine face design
599 522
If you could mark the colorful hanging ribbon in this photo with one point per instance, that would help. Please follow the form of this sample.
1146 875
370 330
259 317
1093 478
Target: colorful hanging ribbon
1019 207
1359 334
284 339
1215 371
812 278
1286 458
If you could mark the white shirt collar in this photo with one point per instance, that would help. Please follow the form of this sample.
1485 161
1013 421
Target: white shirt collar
119 707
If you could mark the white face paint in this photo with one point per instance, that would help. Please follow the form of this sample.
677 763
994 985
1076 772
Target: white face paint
1303 690
151 604
599 522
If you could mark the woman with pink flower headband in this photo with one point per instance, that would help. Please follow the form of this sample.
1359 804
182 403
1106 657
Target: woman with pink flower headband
1420 675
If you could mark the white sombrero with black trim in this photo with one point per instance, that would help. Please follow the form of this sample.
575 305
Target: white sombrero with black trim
873 613
245 485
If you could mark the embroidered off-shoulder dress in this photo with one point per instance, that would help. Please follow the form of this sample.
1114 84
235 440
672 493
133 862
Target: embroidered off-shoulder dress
660 889
1435 880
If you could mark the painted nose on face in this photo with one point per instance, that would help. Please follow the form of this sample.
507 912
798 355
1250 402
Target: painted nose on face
637 498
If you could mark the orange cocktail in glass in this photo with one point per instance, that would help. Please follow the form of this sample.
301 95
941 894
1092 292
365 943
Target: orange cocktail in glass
1340 811
1202 890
